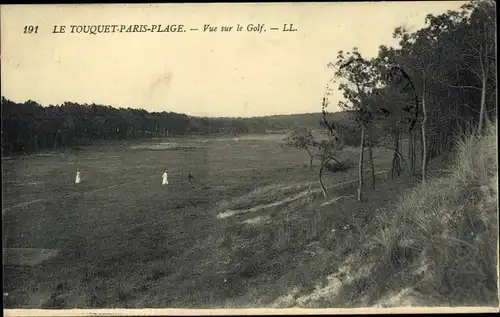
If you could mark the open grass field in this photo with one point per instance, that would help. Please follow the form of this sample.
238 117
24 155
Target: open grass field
242 236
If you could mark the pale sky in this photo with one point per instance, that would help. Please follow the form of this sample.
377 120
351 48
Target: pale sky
197 73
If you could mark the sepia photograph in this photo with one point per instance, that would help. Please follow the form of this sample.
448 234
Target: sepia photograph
301 155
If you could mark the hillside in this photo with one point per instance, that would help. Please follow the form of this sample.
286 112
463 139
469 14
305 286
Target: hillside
432 244
444 234
309 120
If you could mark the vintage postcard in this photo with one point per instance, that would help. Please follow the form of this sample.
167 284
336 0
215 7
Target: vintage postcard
277 158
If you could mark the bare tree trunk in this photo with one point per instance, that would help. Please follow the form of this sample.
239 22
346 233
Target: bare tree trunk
370 152
56 136
320 179
421 148
484 79
36 145
424 132
310 174
395 157
411 152
399 147
360 164
414 155
409 146
483 113
442 140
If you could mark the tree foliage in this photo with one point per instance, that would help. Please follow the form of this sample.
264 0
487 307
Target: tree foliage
438 80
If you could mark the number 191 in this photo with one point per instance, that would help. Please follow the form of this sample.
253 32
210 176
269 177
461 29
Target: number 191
28 29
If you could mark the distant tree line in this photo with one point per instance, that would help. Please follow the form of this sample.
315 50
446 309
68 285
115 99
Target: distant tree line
30 127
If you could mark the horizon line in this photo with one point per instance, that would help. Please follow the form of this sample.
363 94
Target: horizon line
166 111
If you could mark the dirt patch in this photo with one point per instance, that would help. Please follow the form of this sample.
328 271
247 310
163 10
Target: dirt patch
334 200
257 220
23 204
230 213
27 256
163 147
407 297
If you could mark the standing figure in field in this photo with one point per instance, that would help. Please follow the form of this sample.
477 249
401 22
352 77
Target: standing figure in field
165 178
78 179
190 177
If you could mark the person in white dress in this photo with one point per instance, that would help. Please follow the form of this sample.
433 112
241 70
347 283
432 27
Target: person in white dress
78 179
165 178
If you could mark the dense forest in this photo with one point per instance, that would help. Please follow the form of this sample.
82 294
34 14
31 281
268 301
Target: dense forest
30 127
437 85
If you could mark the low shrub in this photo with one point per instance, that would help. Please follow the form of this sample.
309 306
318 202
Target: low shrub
340 166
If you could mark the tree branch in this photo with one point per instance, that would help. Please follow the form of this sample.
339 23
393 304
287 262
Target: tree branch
471 108
464 87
